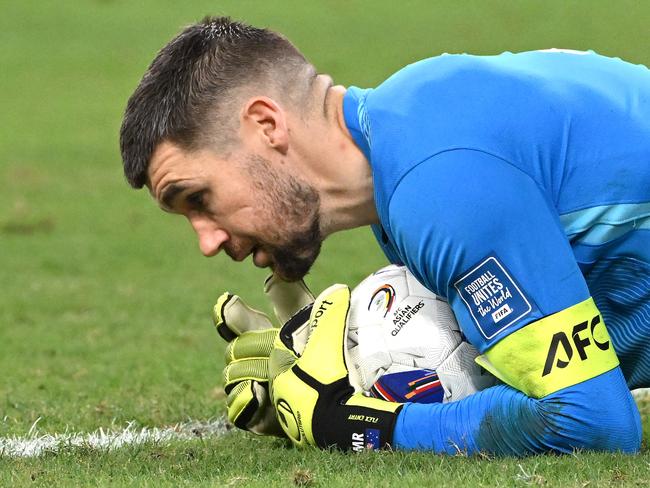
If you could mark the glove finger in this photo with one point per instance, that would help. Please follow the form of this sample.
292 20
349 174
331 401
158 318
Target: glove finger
242 404
252 344
232 317
295 332
249 408
324 356
256 369
287 297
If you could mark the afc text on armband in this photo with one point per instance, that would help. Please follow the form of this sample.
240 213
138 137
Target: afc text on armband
554 352
580 345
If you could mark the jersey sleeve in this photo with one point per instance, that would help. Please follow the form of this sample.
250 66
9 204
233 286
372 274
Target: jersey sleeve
503 421
482 233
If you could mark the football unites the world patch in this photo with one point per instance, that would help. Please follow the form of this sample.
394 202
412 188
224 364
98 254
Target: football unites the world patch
418 385
492 297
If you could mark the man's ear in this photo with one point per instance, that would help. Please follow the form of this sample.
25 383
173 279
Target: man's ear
263 116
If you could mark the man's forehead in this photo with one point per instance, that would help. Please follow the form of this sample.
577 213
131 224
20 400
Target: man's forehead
167 154
169 162
170 168
164 154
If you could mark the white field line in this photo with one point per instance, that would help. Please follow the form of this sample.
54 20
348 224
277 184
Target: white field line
35 444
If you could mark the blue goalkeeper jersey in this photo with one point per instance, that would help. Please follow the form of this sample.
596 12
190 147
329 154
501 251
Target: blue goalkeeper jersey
526 172
518 186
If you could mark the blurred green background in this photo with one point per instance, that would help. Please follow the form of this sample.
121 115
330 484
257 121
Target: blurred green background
104 300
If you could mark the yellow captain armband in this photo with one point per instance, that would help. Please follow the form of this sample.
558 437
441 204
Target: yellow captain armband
555 352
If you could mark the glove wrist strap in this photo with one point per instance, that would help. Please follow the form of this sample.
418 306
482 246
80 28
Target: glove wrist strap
349 421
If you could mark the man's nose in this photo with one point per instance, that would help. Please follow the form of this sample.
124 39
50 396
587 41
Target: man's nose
211 237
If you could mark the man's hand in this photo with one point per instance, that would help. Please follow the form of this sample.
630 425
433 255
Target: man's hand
315 403
251 335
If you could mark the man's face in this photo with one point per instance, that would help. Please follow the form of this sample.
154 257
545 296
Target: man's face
244 206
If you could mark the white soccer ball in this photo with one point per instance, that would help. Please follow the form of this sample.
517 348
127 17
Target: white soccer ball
405 345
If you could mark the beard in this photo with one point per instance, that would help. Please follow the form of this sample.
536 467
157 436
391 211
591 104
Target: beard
293 208
293 260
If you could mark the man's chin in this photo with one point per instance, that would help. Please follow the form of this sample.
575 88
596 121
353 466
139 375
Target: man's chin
293 260
293 268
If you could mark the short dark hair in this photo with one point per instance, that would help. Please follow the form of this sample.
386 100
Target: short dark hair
186 93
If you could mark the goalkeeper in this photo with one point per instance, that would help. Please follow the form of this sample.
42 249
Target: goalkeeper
517 186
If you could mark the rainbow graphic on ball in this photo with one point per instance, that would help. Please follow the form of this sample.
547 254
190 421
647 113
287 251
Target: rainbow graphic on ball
382 299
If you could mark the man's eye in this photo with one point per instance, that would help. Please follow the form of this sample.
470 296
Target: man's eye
195 200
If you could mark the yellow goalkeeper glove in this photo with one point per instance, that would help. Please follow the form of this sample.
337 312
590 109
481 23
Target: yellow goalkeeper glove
250 335
315 403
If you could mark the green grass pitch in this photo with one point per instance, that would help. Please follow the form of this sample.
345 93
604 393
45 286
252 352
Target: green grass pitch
105 301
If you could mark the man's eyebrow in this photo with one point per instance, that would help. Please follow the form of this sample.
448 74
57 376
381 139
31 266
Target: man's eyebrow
170 193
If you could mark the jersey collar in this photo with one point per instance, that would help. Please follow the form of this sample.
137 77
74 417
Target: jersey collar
353 102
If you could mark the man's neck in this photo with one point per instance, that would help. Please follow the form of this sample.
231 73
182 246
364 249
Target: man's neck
345 184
